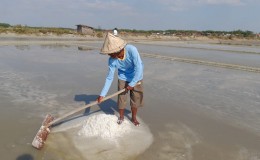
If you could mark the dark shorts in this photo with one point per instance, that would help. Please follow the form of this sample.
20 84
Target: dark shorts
136 95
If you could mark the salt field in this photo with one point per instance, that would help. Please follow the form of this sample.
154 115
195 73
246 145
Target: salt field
192 111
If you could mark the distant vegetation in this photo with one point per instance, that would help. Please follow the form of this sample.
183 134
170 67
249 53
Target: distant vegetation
208 33
19 29
193 33
5 25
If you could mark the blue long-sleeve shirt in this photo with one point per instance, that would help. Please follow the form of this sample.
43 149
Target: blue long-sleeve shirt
130 69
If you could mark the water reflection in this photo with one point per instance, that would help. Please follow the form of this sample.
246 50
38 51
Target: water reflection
22 47
54 46
83 48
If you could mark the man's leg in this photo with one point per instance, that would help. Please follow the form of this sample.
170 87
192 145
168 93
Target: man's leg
134 113
121 101
136 96
121 114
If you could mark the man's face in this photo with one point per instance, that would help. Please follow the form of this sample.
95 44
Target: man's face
115 55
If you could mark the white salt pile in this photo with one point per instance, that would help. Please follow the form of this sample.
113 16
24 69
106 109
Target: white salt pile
98 136
105 126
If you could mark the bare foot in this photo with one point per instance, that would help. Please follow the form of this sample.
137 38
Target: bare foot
120 120
135 122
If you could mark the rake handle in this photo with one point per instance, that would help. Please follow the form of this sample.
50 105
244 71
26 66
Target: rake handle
86 106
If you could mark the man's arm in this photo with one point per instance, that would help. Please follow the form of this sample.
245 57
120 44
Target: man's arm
138 66
108 82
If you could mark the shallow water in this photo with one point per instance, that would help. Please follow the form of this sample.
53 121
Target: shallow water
215 53
193 112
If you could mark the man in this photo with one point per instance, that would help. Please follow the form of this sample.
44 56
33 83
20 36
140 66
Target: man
115 32
127 60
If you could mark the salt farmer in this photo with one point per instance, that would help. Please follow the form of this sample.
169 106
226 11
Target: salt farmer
126 59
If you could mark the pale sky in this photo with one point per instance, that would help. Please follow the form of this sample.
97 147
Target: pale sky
220 15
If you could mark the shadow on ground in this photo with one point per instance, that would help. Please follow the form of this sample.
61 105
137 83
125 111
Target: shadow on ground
108 107
25 157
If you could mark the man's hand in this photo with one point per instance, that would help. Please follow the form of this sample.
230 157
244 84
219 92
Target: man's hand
129 88
100 99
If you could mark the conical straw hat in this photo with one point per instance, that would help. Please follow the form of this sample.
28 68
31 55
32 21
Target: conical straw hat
112 44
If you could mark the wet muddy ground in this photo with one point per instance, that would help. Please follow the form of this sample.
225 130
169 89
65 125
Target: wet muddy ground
193 112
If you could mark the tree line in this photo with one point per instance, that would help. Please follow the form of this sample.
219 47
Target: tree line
5 27
238 33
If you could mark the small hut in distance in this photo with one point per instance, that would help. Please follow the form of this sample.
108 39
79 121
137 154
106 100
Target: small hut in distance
83 29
